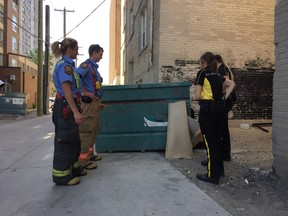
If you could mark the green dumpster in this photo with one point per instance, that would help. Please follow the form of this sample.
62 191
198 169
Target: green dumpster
13 103
136 115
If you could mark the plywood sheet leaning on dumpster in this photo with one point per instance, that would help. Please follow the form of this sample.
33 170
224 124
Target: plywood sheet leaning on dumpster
178 144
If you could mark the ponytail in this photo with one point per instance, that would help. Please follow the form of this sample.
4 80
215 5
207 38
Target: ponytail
60 48
219 59
56 49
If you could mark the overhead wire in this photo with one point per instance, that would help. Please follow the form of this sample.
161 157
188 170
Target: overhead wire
83 19
35 36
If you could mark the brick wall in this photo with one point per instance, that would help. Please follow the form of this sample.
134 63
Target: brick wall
142 65
280 91
238 31
254 93
184 30
254 88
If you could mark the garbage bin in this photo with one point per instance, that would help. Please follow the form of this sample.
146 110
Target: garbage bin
136 115
13 103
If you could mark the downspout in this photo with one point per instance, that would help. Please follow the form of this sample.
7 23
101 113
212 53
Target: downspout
151 33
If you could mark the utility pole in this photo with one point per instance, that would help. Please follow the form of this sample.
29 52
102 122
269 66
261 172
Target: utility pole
64 21
47 62
40 60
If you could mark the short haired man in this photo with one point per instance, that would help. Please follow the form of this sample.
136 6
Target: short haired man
91 106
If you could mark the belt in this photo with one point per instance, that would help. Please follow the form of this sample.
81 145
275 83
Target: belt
59 96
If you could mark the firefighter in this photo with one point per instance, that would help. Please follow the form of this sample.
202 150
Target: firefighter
91 106
66 115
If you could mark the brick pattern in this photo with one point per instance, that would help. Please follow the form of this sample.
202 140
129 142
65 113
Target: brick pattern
280 91
254 94
236 30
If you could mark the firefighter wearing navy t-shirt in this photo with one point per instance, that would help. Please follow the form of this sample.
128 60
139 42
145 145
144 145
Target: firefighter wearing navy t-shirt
91 106
66 115
209 85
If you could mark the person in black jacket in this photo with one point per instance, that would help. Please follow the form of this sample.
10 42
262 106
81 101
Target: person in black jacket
209 92
225 71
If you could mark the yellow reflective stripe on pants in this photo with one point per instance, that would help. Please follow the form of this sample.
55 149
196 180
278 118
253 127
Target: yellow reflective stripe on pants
59 173
208 156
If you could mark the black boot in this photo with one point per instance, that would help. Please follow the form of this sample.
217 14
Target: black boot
205 178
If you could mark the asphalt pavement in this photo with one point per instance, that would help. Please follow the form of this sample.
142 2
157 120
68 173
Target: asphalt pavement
124 184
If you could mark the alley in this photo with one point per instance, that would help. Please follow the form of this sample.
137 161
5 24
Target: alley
130 184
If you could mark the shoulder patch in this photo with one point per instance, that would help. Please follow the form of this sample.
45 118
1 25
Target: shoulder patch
68 69
84 65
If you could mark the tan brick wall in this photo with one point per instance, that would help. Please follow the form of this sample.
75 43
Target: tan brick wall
183 30
8 33
238 30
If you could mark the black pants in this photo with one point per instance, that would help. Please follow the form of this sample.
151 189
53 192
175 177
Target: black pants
226 133
66 144
211 129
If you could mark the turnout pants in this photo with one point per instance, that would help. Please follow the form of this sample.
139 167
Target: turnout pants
89 129
66 143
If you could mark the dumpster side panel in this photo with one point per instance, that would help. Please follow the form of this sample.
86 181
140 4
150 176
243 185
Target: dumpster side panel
136 116
13 103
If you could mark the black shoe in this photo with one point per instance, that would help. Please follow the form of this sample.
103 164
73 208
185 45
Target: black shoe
79 172
205 178
70 182
204 162
222 174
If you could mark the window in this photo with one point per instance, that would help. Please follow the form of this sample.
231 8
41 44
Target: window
143 29
130 72
131 23
14 44
1 13
14 62
124 60
15 5
14 23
